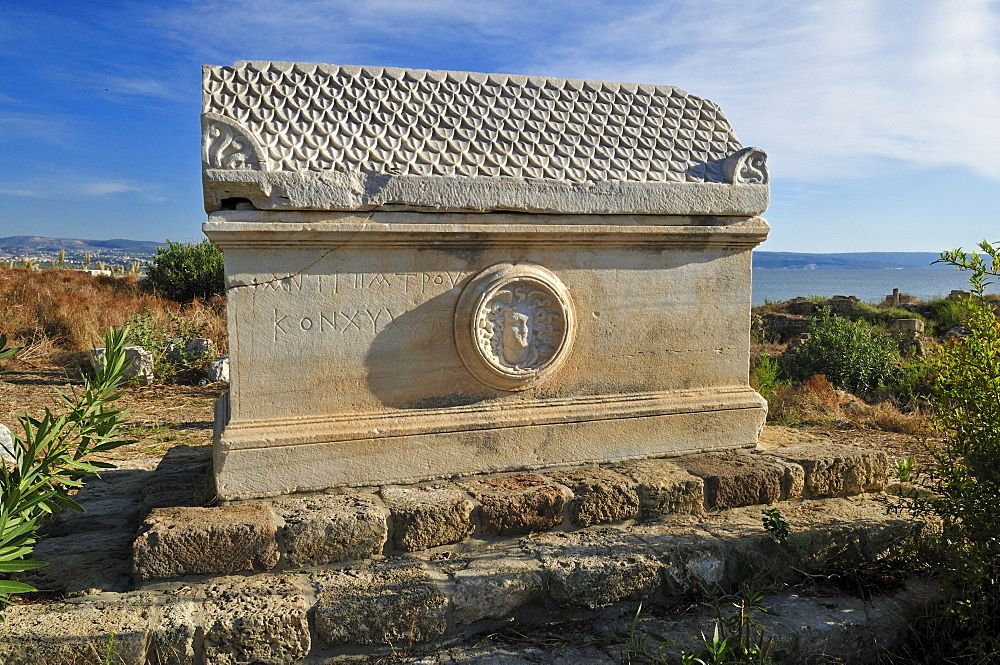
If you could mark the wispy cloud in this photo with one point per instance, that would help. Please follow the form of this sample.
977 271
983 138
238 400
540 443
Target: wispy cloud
830 89
64 186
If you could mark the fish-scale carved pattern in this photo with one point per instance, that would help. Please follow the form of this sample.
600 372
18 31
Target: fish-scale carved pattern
419 122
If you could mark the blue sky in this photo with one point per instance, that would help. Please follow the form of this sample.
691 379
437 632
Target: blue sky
881 118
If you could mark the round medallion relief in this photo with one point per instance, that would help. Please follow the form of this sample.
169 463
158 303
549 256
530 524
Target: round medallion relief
514 325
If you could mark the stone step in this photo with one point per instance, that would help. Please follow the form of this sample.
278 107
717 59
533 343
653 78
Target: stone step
330 528
433 598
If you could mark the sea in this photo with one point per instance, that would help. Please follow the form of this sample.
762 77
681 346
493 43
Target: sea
870 285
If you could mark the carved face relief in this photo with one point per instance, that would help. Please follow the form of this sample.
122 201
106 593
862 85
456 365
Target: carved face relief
514 325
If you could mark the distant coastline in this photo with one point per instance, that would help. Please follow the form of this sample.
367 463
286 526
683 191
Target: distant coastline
847 261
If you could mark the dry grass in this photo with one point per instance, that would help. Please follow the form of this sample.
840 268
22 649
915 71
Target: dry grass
58 315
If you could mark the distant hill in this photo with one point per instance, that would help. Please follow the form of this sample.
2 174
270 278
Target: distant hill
34 245
847 260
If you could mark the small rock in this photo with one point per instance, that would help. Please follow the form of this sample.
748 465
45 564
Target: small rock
138 363
7 445
218 370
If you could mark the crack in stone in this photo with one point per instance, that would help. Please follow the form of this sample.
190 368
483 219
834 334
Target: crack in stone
364 227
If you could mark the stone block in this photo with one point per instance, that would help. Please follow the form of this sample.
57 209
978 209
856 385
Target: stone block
493 587
596 569
733 480
908 325
173 636
693 560
516 505
180 349
665 488
260 619
793 476
138 363
599 496
68 633
174 542
837 470
218 370
391 602
424 517
327 528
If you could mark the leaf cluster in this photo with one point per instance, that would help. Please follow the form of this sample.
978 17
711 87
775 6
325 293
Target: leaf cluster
50 459
964 480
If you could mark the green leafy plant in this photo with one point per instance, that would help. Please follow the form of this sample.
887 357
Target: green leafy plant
948 313
737 638
904 469
51 460
775 525
765 377
185 271
964 478
850 354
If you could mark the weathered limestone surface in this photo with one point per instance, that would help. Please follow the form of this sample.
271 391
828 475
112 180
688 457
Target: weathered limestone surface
174 542
255 620
518 504
371 136
394 602
424 517
75 632
599 496
327 528
596 568
664 487
494 586
472 273
836 470
735 480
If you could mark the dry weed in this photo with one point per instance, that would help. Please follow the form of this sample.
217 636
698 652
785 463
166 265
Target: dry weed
58 315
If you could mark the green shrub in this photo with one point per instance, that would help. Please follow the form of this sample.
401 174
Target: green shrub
50 460
965 478
881 316
849 353
765 377
185 271
948 313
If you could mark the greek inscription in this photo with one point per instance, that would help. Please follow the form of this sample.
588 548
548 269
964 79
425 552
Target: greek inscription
363 321
405 282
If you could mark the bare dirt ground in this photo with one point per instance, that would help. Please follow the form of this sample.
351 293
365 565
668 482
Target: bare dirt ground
159 416
163 416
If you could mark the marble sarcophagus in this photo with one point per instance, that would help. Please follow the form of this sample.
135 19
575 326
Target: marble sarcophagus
442 273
